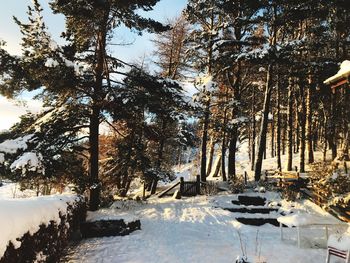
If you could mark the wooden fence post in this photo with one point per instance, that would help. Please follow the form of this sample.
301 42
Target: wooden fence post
144 191
245 177
154 186
345 167
182 185
198 184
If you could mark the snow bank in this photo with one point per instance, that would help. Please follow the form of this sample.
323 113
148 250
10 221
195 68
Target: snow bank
340 241
12 146
18 216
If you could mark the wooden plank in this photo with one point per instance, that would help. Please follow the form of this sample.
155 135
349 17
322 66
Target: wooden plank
167 190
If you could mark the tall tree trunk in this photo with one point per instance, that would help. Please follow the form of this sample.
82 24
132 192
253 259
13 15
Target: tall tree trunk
232 153
211 156
264 122
302 118
223 157
161 144
94 200
223 148
272 137
204 142
95 188
253 131
278 128
309 123
332 137
290 125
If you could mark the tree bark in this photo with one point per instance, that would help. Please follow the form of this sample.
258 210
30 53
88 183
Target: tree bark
290 125
211 156
309 123
264 122
332 137
204 142
232 153
278 128
94 200
223 156
253 131
302 118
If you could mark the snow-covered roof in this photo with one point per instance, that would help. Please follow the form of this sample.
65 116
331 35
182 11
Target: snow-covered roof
343 73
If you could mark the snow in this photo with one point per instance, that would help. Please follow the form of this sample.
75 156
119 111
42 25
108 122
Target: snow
195 230
342 73
18 216
340 241
2 158
13 190
29 161
51 63
344 67
304 219
206 83
12 146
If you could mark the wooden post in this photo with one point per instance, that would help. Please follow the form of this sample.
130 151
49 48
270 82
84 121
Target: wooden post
245 177
296 168
144 191
265 175
345 167
182 185
154 186
198 185
281 229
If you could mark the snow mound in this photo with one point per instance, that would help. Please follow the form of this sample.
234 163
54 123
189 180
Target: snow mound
18 216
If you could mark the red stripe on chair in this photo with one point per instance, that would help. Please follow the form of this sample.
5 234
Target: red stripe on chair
337 252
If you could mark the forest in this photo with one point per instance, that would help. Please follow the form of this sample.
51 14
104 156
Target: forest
264 79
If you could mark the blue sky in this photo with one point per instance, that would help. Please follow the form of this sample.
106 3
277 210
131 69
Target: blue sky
9 32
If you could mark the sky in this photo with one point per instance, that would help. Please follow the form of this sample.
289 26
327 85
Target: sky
9 32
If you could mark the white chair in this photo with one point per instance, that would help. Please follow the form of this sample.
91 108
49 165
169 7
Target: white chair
344 254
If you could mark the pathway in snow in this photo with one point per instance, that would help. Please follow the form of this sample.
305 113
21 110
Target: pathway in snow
189 230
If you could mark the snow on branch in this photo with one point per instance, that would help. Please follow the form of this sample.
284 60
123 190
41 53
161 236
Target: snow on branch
12 146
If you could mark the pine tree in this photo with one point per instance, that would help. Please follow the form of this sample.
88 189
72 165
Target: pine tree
82 69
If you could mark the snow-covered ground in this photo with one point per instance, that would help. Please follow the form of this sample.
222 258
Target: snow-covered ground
11 190
199 230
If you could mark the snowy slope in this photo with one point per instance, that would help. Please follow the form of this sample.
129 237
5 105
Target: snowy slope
196 230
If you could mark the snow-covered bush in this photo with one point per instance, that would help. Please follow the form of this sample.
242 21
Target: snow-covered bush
331 183
210 188
237 186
